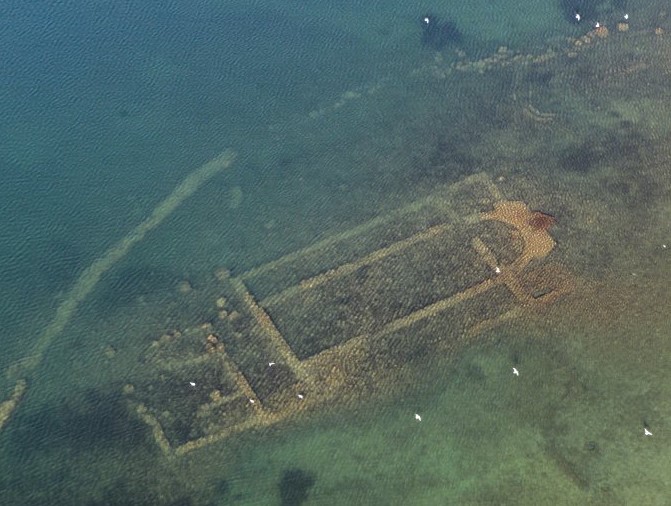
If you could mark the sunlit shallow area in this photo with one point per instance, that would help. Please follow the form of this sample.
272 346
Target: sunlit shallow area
335 253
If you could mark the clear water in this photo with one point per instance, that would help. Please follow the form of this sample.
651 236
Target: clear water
338 112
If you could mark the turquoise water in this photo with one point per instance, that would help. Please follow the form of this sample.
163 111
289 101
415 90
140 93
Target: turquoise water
339 114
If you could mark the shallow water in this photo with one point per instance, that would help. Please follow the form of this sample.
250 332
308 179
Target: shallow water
350 226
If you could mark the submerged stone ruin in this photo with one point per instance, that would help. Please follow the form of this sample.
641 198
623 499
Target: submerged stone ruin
323 324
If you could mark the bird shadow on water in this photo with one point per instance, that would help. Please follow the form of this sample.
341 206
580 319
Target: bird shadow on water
437 33
294 486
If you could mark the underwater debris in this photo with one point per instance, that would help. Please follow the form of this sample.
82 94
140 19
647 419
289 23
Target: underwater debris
541 221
